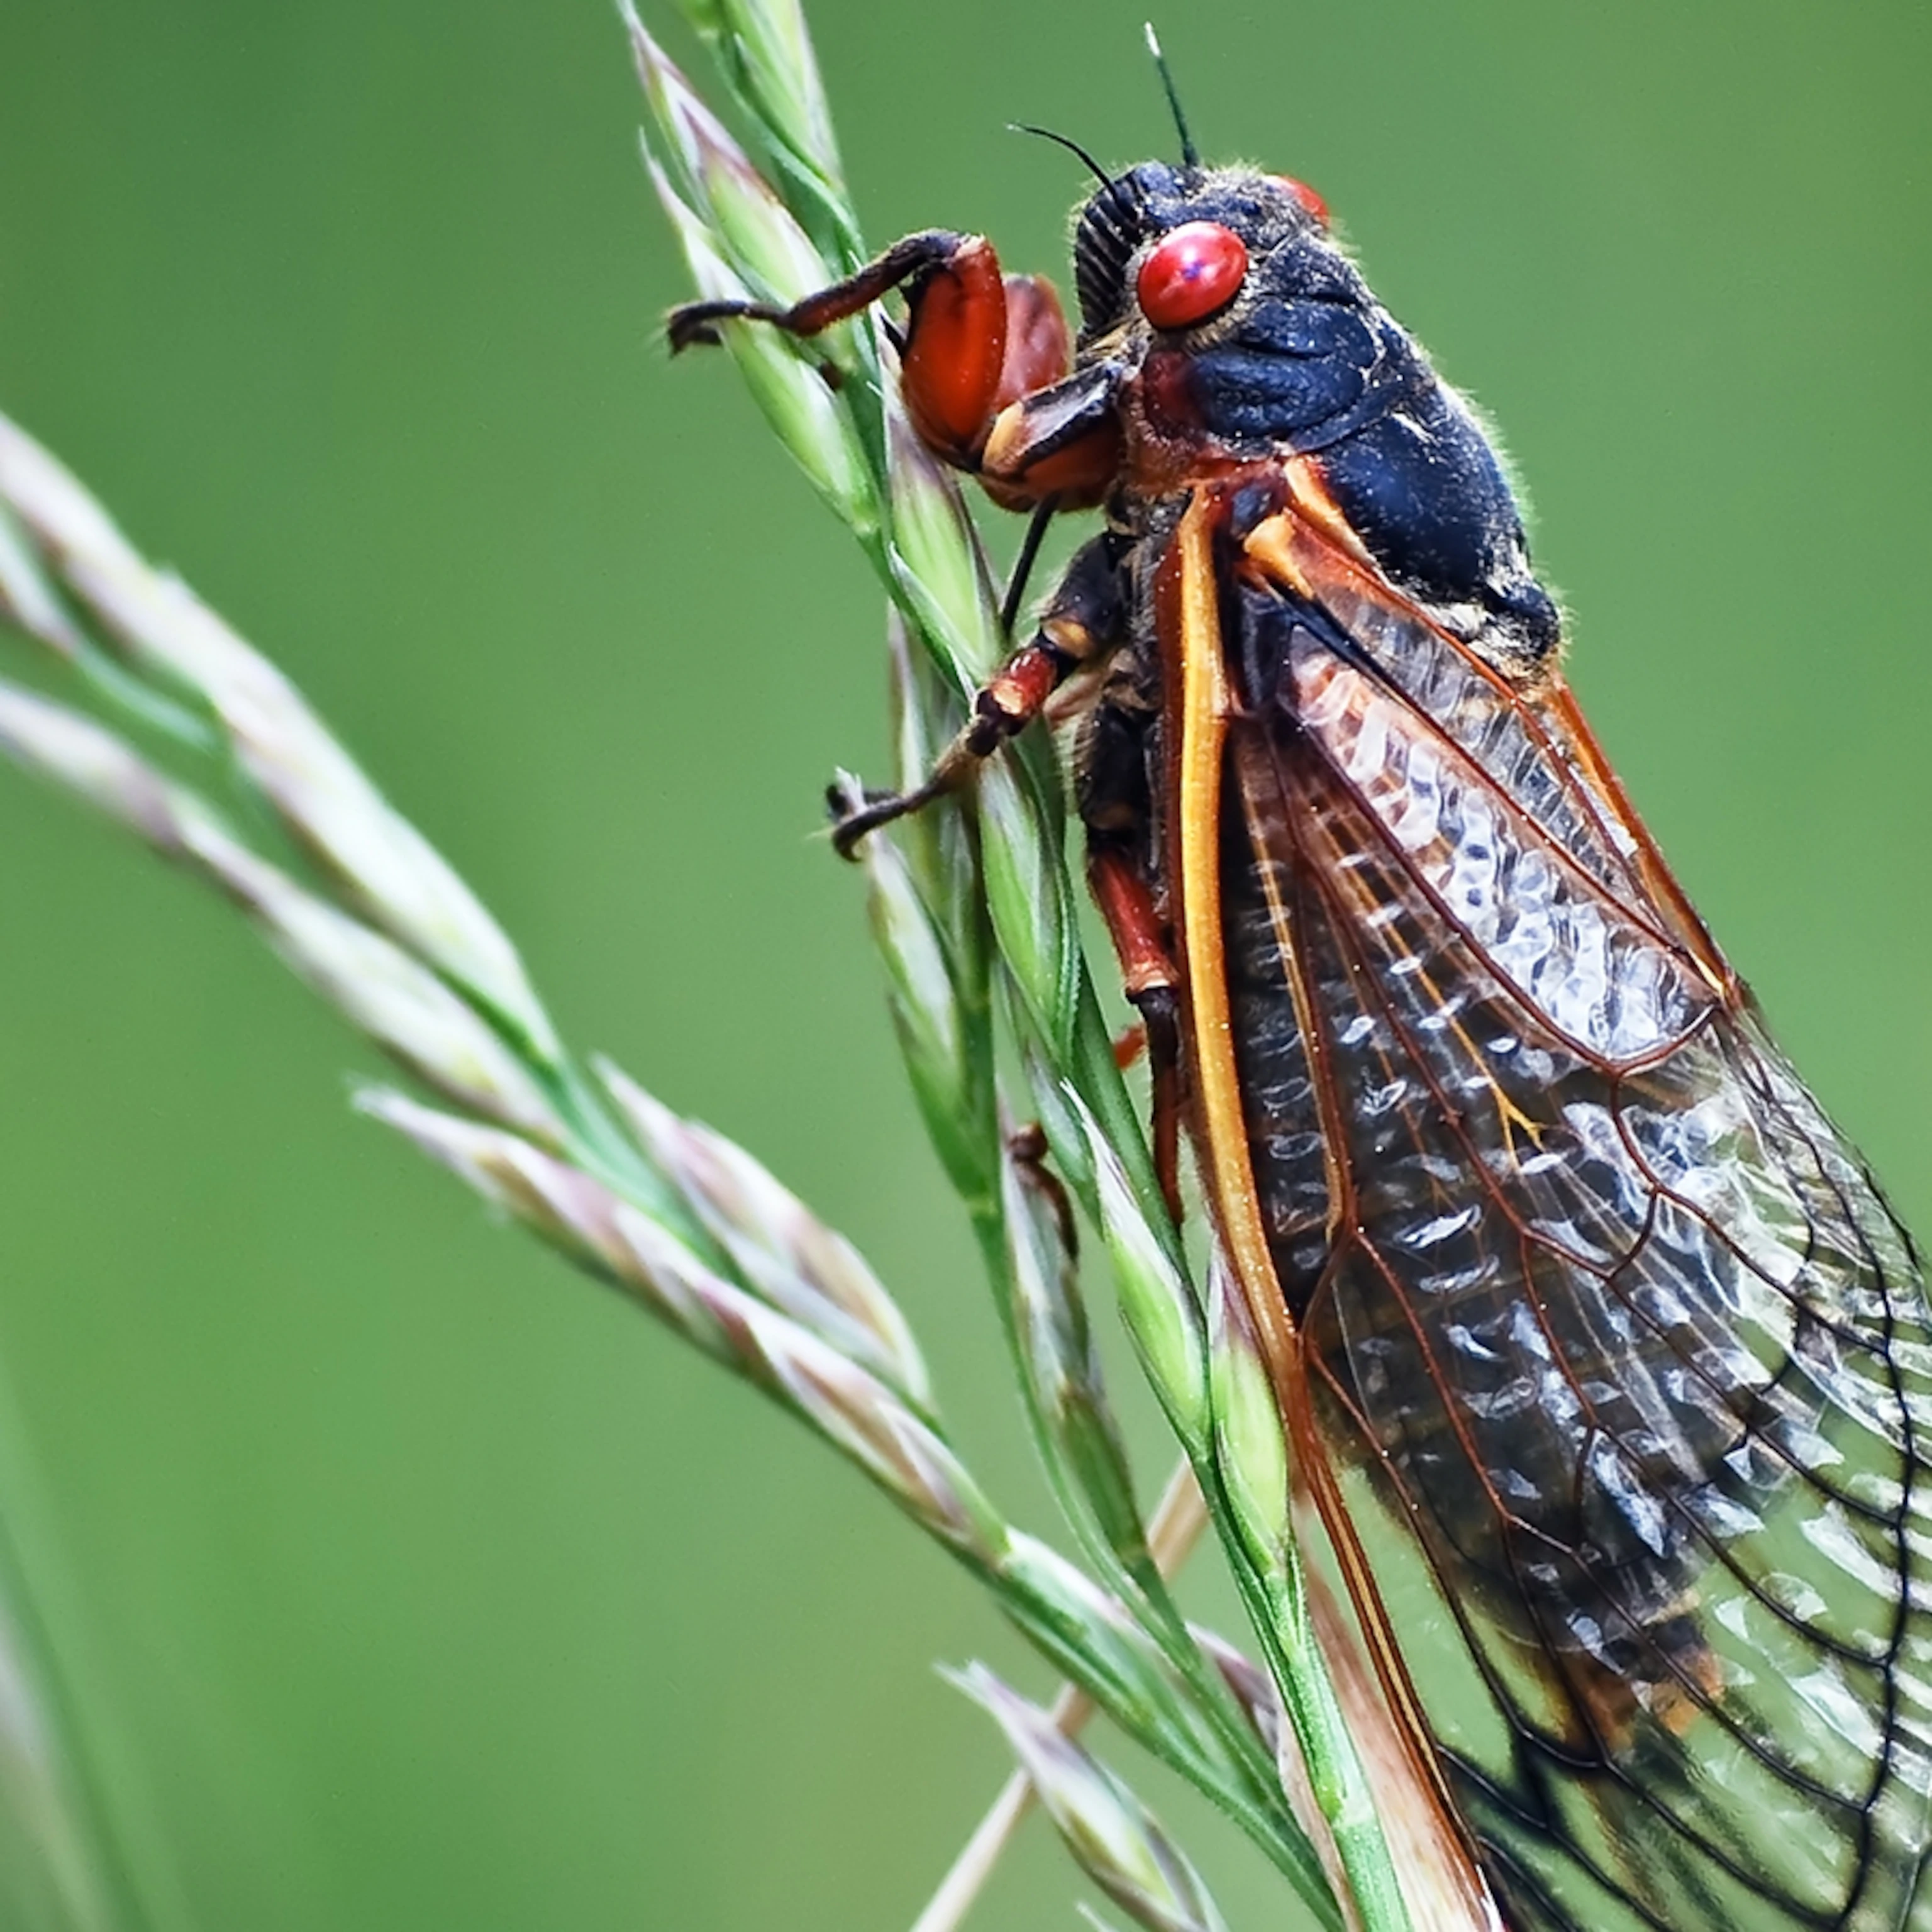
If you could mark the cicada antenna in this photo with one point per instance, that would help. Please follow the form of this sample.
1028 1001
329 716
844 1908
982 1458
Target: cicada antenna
1190 155
1072 147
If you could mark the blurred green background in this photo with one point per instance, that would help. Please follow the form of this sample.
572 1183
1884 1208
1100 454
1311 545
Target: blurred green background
401 1579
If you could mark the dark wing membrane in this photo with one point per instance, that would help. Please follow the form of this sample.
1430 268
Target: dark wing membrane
1597 1305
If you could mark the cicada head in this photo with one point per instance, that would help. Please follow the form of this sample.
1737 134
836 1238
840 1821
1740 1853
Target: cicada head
1227 330
1164 249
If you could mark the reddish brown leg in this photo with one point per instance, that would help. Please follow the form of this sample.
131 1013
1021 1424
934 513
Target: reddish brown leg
1080 623
691 323
1013 699
954 355
1148 972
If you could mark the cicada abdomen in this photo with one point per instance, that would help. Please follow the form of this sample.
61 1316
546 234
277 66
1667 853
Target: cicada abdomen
1596 1304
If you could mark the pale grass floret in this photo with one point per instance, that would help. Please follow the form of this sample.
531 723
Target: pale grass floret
1115 1839
685 1222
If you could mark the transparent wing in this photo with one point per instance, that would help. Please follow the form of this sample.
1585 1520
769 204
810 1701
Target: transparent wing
1605 1321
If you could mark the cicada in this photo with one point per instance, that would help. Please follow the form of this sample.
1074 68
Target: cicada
1598 1349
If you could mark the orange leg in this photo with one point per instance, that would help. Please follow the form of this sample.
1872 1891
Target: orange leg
1079 625
1011 701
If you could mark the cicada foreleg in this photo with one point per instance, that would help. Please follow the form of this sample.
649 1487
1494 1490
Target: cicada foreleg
984 362
907 261
975 341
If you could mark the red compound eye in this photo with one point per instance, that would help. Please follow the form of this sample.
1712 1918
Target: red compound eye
1194 270
1308 198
